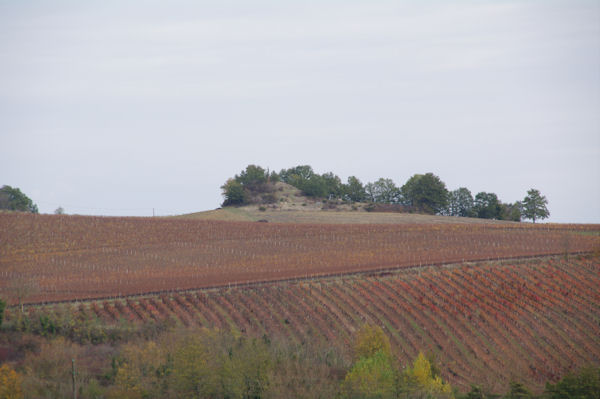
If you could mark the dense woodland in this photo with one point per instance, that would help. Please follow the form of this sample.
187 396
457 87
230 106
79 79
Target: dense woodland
423 193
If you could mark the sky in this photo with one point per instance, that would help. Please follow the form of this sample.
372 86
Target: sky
129 107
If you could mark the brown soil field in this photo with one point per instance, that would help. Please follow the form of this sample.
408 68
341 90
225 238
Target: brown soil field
51 257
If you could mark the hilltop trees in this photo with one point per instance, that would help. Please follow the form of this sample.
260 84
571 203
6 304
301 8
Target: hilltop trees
460 202
14 200
253 184
487 206
234 193
426 192
383 191
534 206
354 190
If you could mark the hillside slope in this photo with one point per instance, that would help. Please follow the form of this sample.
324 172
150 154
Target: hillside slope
76 257
488 323
291 206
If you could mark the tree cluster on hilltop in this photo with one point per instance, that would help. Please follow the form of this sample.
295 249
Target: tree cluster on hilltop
423 193
13 199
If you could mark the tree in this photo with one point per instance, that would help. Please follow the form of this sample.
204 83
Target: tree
534 206
460 202
370 340
10 383
333 184
518 391
511 212
371 377
487 206
253 177
585 384
59 211
383 191
354 190
423 380
303 172
425 192
314 186
234 193
373 374
13 199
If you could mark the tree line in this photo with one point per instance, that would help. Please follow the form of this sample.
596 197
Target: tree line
422 193
205 363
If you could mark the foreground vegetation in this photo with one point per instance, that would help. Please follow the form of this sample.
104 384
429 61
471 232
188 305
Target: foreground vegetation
205 363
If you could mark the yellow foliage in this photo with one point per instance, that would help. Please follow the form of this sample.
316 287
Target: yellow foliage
421 374
137 371
370 340
10 383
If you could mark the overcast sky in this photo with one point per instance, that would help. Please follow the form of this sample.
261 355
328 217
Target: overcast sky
116 108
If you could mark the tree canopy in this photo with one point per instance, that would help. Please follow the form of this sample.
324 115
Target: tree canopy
534 206
426 192
460 203
14 200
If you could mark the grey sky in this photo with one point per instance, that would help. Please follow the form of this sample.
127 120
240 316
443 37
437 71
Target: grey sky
110 107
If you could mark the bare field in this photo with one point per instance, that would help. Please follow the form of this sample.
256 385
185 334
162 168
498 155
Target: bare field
78 257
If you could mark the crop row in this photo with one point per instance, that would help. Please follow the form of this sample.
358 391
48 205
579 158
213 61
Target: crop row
64 258
488 323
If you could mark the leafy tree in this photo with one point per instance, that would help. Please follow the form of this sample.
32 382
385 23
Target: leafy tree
461 202
373 374
10 383
371 377
370 340
511 212
534 206
487 206
59 211
302 172
423 380
383 191
354 190
252 178
518 391
234 193
333 184
315 186
584 384
193 376
14 200
425 192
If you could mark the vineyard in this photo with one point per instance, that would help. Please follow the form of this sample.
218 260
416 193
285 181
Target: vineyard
487 323
46 258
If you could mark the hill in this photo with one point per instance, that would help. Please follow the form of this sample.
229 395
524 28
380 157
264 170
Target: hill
76 257
483 298
291 206
487 323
